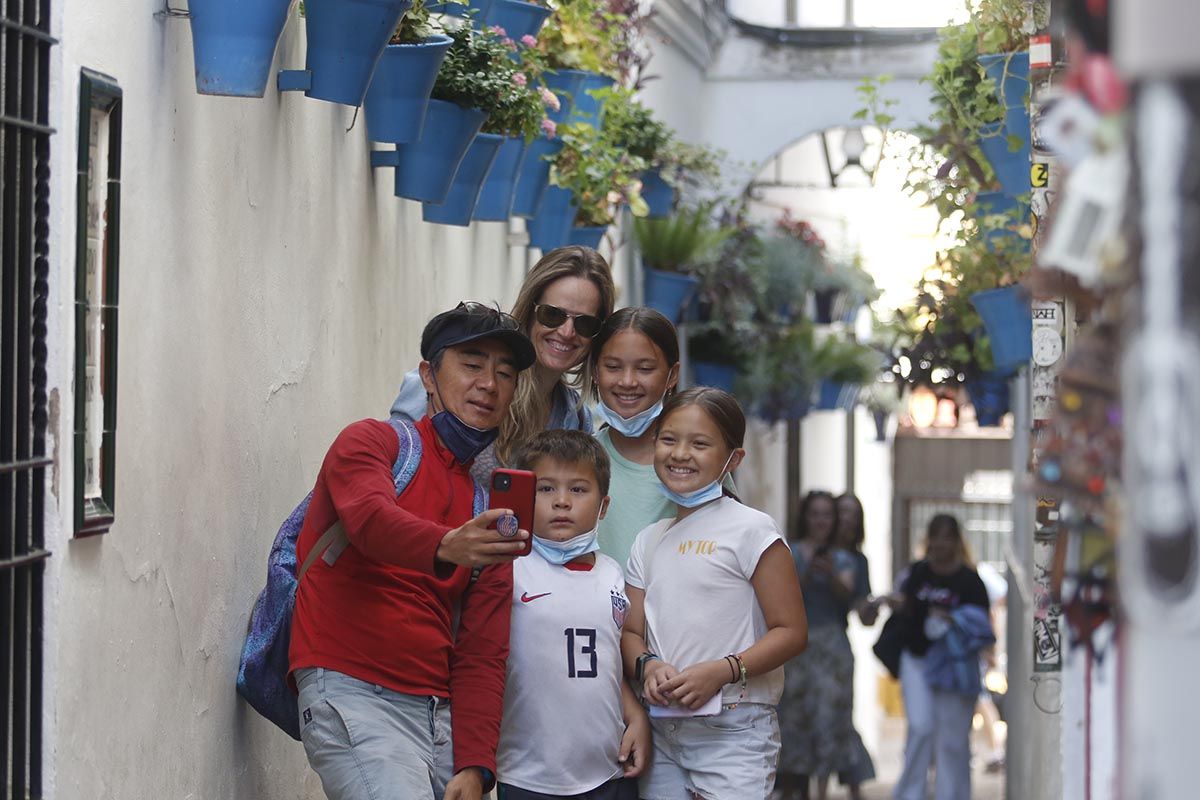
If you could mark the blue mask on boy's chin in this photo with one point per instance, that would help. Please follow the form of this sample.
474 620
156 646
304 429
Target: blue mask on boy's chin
705 494
464 441
634 426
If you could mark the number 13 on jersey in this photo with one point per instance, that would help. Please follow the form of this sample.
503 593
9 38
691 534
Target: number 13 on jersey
581 642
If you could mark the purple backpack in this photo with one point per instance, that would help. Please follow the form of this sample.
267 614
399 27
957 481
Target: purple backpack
262 678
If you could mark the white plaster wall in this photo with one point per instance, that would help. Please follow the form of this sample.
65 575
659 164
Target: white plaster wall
272 291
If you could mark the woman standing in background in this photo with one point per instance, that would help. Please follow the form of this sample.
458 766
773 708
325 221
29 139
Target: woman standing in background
815 714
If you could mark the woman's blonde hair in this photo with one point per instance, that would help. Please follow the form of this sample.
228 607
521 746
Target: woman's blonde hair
530 408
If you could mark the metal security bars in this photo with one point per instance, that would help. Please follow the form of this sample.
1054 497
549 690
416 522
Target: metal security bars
25 44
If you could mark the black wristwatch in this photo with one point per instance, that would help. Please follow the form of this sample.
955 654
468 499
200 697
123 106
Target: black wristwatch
639 667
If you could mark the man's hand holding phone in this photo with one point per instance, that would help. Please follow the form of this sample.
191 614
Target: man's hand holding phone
478 543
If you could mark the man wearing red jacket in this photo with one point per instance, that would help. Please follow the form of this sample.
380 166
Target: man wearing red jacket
398 655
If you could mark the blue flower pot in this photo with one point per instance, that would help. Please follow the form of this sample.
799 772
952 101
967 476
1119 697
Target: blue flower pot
666 292
1011 167
533 177
425 168
464 192
588 108
1009 322
989 396
551 228
496 197
399 94
589 236
464 9
718 376
233 44
345 40
658 194
1001 203
834 396
1010 72
572 86
565 84
516 17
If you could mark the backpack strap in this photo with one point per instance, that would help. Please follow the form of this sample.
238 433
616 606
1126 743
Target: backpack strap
334 541
336 532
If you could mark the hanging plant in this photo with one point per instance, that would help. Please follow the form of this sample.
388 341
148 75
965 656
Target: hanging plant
478 73
600 175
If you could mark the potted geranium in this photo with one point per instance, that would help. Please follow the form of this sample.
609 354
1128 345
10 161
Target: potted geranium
631 126
589 177
515 116
520 20
345 40
399 93
671 248
581 44
841 366
530 141
473 80
777 382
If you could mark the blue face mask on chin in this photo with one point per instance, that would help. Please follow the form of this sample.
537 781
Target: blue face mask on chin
636 425
461 439
560 553
705 494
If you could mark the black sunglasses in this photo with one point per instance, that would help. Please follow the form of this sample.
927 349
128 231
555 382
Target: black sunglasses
504 321
586 325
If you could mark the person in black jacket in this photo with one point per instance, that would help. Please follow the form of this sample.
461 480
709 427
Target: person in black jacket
939 722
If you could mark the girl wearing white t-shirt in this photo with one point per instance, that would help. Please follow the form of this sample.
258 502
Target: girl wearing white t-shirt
715 611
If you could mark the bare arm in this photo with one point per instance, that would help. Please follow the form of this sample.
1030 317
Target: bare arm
633 644
778 592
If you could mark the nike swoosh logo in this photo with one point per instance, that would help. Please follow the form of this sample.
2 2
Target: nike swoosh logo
527 597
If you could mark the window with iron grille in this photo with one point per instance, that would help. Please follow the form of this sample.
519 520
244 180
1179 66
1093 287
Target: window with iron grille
25 44
97 256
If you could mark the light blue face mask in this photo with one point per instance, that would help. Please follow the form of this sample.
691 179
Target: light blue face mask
564 552
706 494
636 425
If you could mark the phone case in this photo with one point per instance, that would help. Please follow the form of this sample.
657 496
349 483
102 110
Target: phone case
514 489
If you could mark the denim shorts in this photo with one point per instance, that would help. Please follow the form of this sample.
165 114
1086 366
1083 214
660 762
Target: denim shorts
728 756
371 743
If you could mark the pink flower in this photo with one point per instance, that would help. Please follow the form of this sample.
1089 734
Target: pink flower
528 40
509 43
549 128
496 29
550 99
519 78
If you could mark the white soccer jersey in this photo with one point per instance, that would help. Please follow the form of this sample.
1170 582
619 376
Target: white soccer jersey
562 725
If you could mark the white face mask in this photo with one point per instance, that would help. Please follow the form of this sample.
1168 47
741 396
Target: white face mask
634 426
705 494
564 552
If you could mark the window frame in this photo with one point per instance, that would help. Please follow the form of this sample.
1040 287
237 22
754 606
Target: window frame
97 92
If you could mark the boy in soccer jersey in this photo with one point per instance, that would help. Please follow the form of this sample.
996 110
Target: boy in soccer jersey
572 727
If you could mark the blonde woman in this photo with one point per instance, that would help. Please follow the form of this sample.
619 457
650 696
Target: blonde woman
563 302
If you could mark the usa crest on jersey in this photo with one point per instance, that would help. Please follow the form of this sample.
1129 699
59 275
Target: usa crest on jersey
620 607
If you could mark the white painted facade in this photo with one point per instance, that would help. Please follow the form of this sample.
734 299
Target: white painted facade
272 291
